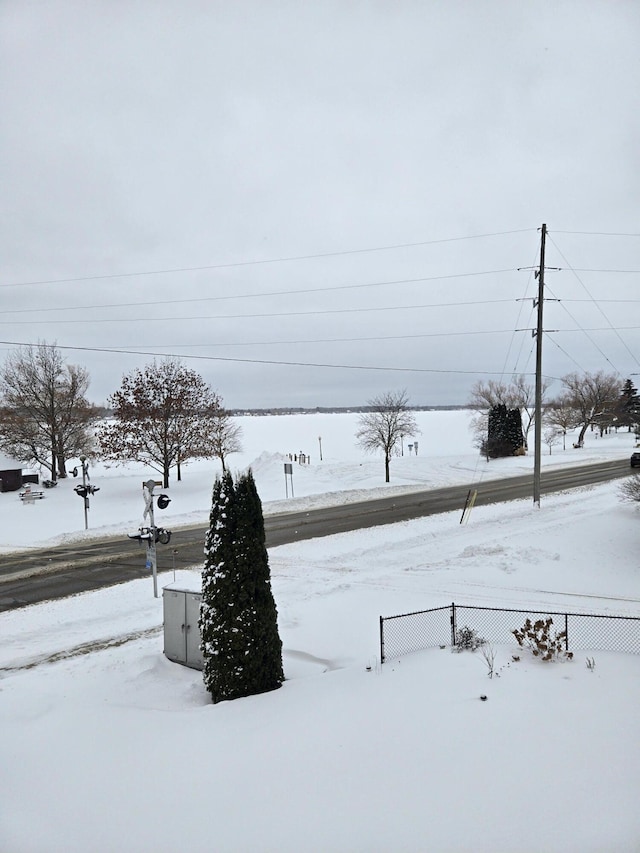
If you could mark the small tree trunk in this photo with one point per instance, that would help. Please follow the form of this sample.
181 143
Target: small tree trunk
386 468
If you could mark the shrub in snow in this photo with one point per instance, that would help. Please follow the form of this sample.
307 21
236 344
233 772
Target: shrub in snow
629 489
241 647
468 639
542 639
489 656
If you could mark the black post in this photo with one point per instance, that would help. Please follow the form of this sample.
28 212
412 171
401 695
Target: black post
566 631
381 640
453 624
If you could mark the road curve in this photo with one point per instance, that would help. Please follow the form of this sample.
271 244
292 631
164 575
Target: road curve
33 576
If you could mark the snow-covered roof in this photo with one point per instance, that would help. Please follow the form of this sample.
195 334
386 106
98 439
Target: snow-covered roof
8 464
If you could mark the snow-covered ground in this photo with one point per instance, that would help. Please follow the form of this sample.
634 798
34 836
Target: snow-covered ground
446 456
106 745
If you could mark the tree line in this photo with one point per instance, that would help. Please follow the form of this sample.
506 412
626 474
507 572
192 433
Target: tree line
586 400
164 415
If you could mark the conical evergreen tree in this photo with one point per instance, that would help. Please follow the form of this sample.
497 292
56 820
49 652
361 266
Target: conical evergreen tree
628 406
217 583
514 435
504 432
263 664
241 647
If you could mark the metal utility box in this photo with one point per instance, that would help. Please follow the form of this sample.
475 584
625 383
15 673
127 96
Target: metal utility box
181 631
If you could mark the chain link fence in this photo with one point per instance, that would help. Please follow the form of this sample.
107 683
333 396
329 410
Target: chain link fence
440 626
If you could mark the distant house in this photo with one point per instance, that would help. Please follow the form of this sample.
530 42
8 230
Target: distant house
10 474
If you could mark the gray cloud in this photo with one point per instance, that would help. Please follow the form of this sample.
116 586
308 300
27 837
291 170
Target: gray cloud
157 136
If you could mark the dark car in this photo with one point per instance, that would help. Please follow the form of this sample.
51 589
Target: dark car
635 460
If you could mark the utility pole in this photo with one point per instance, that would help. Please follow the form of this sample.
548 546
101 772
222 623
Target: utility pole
538 402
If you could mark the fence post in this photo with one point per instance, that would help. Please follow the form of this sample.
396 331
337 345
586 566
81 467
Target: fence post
453 624
381 640
566 631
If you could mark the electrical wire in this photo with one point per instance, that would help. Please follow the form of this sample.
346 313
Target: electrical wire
332 288
261 361
266 260
594 233
261 315
594 302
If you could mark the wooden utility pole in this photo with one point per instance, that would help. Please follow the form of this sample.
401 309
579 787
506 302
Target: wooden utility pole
538 402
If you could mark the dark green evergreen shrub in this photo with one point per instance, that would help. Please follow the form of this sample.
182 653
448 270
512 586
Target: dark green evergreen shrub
467 639
240 643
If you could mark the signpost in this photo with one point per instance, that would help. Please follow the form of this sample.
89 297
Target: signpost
85 490
152 534
288 472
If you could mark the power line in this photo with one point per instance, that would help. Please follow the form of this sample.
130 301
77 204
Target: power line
516 327
596 233
585 269
261 315
597 306
262 361
345 340
564 352
308 290
263 261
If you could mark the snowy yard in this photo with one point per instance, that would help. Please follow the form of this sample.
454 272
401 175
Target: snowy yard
105 745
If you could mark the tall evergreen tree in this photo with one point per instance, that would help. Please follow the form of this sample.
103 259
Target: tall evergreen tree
217 578
627 410
497 444
504 432
241 647
513 430
263 664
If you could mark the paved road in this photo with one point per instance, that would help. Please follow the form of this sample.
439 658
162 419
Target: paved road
33 576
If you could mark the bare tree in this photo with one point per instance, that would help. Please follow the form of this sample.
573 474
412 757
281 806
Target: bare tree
164 415
517 394
523 397
561 415
385 425
594 397
224 436
45 416
486 395
551 436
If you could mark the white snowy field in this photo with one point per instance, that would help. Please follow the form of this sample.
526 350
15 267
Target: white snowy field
446 456
106 745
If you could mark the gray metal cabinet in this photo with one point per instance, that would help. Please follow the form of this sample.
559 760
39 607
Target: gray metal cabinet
181 631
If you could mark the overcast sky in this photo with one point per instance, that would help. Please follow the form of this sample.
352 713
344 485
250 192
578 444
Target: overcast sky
296 197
